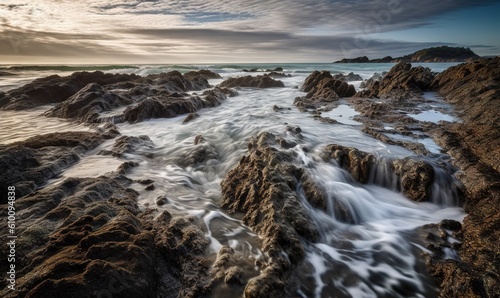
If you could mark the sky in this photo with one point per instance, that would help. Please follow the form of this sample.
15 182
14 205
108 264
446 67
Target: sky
238 31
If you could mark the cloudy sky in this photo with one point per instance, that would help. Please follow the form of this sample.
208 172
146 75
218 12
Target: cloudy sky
211 31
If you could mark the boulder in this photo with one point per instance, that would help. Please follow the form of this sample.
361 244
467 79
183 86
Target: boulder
402 82
204 73
250 81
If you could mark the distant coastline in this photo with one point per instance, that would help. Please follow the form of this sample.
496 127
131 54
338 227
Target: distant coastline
428 55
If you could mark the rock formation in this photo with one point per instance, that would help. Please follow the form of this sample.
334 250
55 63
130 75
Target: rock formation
249 81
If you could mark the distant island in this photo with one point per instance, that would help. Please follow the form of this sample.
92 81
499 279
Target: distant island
436 54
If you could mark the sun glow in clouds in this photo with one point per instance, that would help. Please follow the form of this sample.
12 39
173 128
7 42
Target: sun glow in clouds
114 31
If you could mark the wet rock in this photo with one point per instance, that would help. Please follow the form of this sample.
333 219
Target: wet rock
169 107
29 164
474 144
56 89
323 85
402 82
249 81
150 187
162 200
87 237
190 117
275 74
348 78
356 162
414 177
204 73
200 153
125 167
130 144
263 188
294 129
87 104
231 269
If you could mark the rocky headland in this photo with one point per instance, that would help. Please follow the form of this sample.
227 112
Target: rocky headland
436 54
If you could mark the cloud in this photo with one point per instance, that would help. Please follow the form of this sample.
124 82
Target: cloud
196 29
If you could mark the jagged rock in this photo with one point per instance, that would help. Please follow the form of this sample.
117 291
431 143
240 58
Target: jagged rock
263 188
56 89
129 144
190 117
204 73
415 177
29 164
168 107
87 237
275 74
348 78
249 81
323 86
474 144
402 82
86 104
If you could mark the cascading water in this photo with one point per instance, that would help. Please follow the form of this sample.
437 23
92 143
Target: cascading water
367 250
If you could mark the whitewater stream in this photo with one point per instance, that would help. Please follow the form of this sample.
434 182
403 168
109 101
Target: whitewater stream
377 256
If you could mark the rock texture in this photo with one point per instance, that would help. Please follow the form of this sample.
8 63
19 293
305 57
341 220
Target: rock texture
28 164
85 96
87 237
172 105
262 187
250 81
56 89
322 88
411 176
402 82
474 144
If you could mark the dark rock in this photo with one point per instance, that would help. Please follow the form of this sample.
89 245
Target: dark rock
88 237
204 73
150 187
262 187
56 89
29 164
87 103
322 85
249 81
169 107
162 200
130 144
190 117
275 74
414 177
474 144
362 59
348 78
402 82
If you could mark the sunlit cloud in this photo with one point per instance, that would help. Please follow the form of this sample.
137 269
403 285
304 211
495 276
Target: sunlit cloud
142 30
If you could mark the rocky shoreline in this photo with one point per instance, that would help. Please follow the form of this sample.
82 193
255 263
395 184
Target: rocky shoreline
88 237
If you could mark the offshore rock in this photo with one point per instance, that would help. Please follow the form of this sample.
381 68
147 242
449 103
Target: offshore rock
204 73
263 188
87 237
250 81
